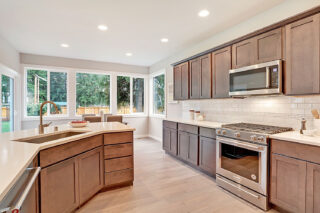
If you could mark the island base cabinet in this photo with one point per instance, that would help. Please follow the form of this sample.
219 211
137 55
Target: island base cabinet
288 180
207 155
313 188
59 187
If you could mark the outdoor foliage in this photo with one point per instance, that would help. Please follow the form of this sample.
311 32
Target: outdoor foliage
158 94
138 94
123 93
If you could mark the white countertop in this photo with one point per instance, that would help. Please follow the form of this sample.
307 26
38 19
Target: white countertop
208 124
310 137
16 156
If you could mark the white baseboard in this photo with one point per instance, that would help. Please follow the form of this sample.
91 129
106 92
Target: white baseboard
155 138
141 136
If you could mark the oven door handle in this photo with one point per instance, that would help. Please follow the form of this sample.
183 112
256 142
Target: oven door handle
245 191
241 144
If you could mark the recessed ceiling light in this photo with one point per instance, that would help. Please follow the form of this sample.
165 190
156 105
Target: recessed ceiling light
203 13
65 45
102 27
128 54
164 40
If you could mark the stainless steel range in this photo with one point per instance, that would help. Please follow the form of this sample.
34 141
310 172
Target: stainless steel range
242 160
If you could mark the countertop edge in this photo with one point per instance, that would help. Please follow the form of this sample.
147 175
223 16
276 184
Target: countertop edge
207 124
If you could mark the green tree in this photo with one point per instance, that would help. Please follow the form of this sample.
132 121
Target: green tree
158 94
123 91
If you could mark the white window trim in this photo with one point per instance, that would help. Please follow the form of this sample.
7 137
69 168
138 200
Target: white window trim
151 76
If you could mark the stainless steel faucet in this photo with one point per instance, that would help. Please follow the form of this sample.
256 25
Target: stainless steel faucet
41 125
303 125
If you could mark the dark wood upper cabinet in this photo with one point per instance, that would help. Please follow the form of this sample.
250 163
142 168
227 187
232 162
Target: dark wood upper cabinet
91 174
269 46
313 188
59 187
221 64
195 75
205 76
181 81
243 53
288 179
207 155
302 57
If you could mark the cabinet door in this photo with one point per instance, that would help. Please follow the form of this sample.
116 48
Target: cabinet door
302 56
268 46
243 53
91 174
185 81
221 64
288 181
173 142
206 76
59 187
166 139
207 155
195 69
177 82
313 188
193 151
183 145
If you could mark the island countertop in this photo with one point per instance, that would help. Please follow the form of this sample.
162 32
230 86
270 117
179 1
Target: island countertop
16 156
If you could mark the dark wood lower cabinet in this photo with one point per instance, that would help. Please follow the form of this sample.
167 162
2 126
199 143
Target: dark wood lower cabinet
188 147
207 154
170 141
59 187
91 174
313 188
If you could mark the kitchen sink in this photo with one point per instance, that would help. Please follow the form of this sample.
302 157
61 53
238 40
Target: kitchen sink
49 137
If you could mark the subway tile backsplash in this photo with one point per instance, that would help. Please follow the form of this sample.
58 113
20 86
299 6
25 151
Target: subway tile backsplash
270 110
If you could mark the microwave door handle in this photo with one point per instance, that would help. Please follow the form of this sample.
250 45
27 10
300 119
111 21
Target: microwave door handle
267 77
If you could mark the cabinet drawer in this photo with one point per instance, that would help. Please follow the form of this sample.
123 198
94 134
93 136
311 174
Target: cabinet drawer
118 150
296 150
188 128
170 124
113 178
207 132
118 164
115 138
58 153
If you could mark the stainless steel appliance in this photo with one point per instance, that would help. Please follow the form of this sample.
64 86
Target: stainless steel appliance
242 160
22 197
260 79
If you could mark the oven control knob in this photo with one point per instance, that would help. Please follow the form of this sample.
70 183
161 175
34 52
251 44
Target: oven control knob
224 132
261 139
237 134
218 131
253 137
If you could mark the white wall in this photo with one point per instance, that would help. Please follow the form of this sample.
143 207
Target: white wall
283 111
9 56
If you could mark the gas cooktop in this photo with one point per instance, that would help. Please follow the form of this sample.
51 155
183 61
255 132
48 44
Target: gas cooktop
256 128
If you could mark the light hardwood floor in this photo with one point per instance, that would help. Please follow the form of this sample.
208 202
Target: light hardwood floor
164 184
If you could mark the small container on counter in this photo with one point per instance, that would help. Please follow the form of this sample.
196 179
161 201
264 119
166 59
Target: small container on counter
191 114
196 115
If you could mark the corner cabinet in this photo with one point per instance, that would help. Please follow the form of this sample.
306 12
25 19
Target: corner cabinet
302 57
295 176
200 77
181 81
221 64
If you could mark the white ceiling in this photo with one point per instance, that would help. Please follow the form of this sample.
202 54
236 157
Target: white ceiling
40 26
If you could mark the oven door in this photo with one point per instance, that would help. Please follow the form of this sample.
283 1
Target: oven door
265 78
243 162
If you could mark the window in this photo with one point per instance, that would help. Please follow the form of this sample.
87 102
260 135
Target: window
7 108
159 94
43 85
130 99
92 93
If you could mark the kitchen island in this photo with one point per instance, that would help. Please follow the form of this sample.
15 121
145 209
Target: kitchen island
112 142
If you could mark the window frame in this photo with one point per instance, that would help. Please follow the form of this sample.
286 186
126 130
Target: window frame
131 76
151 102
48 70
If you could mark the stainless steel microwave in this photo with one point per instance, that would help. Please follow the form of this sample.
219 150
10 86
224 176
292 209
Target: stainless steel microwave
259 79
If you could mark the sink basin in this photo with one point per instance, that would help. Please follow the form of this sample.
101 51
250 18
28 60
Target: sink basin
51 137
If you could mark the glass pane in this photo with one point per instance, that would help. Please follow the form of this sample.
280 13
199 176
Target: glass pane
123 94
249 80
58 91
92 93
36 91
7 104
138 94
158 94
240 161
